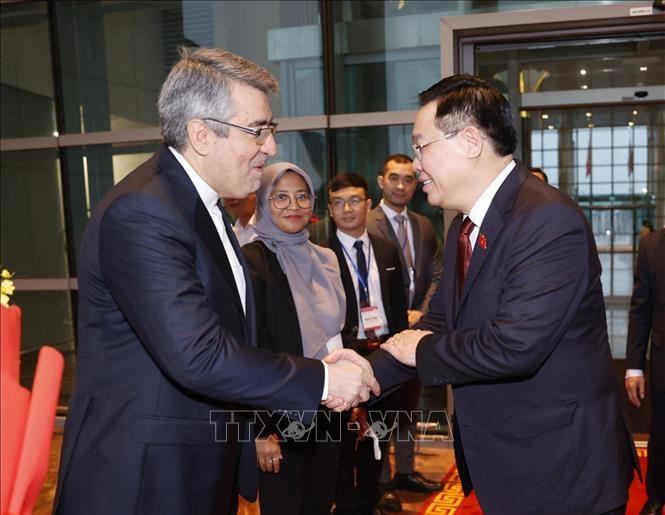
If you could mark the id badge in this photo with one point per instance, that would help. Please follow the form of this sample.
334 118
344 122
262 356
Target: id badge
370 318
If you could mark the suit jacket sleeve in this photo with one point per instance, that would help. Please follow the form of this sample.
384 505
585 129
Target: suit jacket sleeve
149 262
641 312
546 273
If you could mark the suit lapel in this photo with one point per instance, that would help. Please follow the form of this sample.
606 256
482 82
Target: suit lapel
492 226
380 256
185 195
386 230
347 282
205 228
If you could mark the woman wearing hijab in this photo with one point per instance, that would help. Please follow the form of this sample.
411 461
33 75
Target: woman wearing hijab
300 307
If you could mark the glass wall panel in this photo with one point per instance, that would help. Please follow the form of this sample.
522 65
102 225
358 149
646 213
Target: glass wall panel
92 170
115 55
32 220
634 61
26 87
363 150
386 52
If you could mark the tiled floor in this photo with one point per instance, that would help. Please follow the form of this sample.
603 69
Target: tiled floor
433 460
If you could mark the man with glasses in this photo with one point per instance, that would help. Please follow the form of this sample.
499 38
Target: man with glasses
517 324
375 309
166 355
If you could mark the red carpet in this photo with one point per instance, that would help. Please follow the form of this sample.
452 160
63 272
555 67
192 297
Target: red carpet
450 500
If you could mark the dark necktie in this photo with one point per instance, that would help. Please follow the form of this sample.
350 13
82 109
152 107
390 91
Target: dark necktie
249 292
463 252
361 264
403 241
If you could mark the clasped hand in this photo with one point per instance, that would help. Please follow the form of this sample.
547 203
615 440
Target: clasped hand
350 380
403 345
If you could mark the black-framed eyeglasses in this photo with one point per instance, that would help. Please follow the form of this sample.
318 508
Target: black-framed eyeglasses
260 133
283 200
353 202
418 149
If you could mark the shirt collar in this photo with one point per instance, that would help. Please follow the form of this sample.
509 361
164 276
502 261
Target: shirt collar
348 241
390 212
207 194
480 207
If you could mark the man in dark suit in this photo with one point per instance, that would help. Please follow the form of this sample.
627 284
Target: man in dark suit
166 315
647 317
421 268
375 309
421 258
517 325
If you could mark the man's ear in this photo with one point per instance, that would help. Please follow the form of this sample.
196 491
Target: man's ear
379 181
474 141
199 136
369 205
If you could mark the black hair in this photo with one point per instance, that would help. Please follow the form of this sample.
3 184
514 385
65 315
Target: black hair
348 180
467 100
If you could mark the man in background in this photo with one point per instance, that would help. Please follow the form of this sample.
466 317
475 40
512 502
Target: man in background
243 211
421 268
375 309
538 172
647 319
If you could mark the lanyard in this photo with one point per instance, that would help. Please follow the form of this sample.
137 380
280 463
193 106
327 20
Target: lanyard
361 280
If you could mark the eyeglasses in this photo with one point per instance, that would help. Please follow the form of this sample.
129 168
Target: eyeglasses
283 200
353 202
260 133
418 149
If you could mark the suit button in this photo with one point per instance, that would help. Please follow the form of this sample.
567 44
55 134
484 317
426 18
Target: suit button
354 329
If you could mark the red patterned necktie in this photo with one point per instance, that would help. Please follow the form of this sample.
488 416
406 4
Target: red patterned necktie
463 252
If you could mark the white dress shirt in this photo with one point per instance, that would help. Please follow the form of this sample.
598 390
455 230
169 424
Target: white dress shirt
210 199
480 207
375 297
245 233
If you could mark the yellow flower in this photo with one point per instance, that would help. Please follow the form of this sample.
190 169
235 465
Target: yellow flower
6 287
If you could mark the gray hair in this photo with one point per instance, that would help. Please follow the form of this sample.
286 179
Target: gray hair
198 86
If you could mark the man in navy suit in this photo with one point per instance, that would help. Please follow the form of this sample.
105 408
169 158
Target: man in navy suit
647 319
166 359
376 307
517 325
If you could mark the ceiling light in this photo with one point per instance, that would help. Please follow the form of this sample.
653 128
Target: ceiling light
56 134
582 71
589 115
524 113
550 127
635 113
584 86
630 124
608 232
643 68
545 116
645 191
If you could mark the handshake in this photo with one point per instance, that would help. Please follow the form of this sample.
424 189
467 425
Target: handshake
350 376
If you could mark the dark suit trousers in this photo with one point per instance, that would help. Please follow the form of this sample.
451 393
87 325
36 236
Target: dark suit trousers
656 449
358 485
307 480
